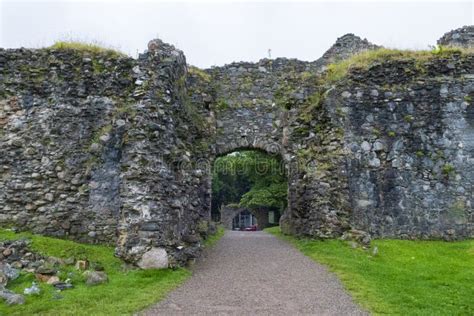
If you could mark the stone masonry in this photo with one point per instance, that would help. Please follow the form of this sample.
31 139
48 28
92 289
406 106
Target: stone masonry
103 148
228 212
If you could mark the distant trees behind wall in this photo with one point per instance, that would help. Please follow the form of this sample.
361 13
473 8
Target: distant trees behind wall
252 179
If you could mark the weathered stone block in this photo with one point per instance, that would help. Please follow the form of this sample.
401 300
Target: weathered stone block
155 258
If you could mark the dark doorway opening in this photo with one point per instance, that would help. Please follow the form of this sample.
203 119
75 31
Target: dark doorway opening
244 220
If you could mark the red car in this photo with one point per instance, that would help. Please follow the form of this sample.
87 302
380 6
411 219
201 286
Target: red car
251 228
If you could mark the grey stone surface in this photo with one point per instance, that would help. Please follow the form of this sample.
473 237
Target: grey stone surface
11 298
91 156
9 272
15 255
345 46
95 277
411 182
155 258
103 148
462 37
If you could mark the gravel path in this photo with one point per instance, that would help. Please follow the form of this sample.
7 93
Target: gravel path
255 273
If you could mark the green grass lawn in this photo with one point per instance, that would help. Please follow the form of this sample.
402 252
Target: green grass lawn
125 293
213 239
404 278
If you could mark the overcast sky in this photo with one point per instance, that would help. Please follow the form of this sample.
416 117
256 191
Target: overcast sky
216 33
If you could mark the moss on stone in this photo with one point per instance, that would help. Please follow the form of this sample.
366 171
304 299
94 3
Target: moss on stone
376 132
91 163
203 145
448 169
127 108
457 211
98 67
325 160
203 227
291 83
201 74
106 129
194 116
86 48
366 59
306 75
313 102
408 118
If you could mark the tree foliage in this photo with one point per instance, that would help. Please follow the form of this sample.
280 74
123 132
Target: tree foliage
252 179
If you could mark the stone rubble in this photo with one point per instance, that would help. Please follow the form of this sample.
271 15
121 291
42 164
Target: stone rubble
11 298
95 277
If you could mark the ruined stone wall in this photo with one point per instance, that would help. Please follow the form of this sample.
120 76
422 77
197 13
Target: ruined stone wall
104 148
318 200
97 147
409 138
58 174
251 99
387 150
247 105
275 106
345 47
164 191
269 106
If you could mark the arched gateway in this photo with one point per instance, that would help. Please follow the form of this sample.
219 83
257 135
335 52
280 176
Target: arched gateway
101 147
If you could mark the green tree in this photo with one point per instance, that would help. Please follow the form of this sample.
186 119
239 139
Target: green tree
252 179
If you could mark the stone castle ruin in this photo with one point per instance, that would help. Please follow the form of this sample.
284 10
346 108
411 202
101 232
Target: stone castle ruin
103 148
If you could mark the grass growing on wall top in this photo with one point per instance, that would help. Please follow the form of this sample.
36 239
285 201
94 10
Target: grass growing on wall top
364 60
86 47
404 278
126 292
195 71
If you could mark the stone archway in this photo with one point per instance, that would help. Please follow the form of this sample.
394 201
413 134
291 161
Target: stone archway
257 128
228 213
99 164
247 143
